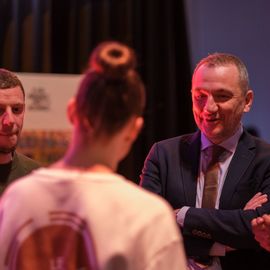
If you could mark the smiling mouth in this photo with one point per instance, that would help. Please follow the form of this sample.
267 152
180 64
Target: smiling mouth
211 121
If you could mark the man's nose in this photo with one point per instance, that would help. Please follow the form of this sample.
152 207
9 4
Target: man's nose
8 118
210 105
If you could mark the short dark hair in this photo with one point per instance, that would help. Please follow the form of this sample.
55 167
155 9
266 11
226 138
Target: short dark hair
111 90
9 80
223 59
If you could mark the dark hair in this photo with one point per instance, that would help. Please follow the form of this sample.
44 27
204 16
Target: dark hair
111 90
9 80
223 59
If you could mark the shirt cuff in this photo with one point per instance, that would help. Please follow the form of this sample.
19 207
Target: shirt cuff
181 214
217 250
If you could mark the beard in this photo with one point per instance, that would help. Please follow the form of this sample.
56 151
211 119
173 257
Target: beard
11 145
7 150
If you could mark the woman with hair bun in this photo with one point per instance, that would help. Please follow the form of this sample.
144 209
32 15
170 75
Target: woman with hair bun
79 213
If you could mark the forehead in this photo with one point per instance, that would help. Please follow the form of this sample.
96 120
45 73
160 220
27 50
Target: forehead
11 96
216 77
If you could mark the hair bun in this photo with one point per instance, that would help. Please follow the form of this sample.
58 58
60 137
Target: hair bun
112 58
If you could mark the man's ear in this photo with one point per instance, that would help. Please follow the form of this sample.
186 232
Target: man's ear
249 100
71 110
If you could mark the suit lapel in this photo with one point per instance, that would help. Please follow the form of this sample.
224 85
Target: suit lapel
190 155
241 160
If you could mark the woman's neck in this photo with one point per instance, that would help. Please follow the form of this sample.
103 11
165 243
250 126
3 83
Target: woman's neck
89 157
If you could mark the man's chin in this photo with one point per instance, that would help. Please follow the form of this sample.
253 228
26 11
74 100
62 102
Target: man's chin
213 135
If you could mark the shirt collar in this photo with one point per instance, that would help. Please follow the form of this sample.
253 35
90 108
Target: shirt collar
230 144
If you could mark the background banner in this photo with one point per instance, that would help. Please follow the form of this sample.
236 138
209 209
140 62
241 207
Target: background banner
46 129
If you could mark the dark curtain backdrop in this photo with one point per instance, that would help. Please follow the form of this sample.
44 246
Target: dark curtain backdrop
56 36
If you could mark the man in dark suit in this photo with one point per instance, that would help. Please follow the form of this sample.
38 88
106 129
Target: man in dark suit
217 237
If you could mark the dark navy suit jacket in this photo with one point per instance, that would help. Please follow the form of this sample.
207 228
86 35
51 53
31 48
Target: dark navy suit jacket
171 170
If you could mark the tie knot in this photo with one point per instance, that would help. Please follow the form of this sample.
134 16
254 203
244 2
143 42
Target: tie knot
215 153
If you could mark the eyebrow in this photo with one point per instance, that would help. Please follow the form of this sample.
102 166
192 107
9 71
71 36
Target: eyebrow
12 104
216 90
